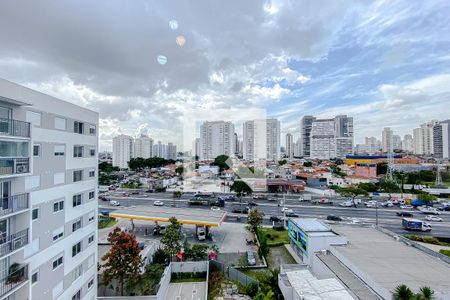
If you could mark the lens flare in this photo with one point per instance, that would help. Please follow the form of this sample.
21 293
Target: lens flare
180 40
173 24
162 60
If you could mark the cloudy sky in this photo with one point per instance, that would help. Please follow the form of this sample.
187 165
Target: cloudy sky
386 63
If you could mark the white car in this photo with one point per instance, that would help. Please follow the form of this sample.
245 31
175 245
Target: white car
346 204
215 208
158 203
287 210
433 218
406 206
114 203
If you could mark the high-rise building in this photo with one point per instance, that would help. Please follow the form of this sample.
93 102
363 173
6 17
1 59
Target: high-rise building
386 140
297 148
123 150
143 147
373 144
289 146
48 171
396 142
236 144
261 139
418 141
305 131
171 151
330 138
216 138
160 150
408 143
196 147
441 139
423 138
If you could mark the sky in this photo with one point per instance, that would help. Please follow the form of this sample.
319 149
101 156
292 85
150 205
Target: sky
385 63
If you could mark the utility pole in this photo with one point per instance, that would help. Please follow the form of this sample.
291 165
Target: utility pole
376 213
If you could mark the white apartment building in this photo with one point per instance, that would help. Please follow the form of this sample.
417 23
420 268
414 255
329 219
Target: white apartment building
171 151
143 147
423 138
48 181
216 138
396 142
441 140
261 139
123 150
330 138
290 146
408 143
418 141
386 140
160 150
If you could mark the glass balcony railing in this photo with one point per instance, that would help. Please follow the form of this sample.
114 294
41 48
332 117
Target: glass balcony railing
17 274
13 204
14 165
13 242
13 127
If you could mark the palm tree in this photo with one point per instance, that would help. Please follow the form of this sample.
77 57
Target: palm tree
426 293
402 292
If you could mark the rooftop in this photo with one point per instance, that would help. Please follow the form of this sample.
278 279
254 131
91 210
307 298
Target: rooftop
310 225
389 262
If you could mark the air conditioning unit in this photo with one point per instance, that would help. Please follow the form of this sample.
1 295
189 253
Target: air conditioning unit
21 169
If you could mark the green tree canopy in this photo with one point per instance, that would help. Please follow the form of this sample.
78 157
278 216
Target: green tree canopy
402 292
171 239
307 164
368 186
123 261
254 219
221 162
240 187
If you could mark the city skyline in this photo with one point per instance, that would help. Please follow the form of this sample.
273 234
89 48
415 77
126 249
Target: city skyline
368 60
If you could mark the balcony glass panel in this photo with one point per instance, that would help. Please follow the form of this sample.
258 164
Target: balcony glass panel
13 242
13 204
13 127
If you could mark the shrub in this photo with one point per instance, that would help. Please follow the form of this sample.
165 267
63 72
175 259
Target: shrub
252 289
445 252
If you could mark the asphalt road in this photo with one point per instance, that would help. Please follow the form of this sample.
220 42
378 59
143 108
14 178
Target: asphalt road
387 217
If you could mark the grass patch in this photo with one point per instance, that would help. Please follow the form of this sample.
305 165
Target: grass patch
250 272
181 280
105 222
445 252
274 237
427 239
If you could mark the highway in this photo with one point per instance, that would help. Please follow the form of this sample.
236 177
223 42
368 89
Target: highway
387 217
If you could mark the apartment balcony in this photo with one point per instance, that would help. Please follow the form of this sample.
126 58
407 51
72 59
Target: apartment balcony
13 204
16 128
17 275
13 242
14 165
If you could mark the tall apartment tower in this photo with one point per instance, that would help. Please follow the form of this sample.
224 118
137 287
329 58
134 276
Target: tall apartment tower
236 144
171 151
408 143
423 138
441 140
386 140
344 135
196 147
216 138
143 147
289 145
305 131
396 142
261 139
123 150
322 139
418 141
373 144
160 150
48 171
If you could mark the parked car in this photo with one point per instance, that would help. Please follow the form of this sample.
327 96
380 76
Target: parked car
158 203
346 204
334 218
104 213
404 214
114 203
444 208
274 219
387 204
433 218
251 258
215 208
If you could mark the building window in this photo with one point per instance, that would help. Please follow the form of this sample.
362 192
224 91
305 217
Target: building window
92 173
77 296
92 129
58 206
76 225
77 175
57 262
35 277
76 249
91 239
78 127
91 216
78 151
58 233
60 150
60 123
77 272
35 214
37 150
91 194
92 151
91 283
76 200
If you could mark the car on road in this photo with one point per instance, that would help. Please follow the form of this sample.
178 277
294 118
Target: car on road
322 201
292 215
259 197
250 204
104 213
215 208
227 198
103 198
239 210
406 207
114 203
334 218
444 208
428 210
274 219
158 203
433 218
251 259
387 204
272 199
346 204
286 209
404 214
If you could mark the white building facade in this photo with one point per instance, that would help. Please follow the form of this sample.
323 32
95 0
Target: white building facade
143 147
216 138
48 181
123 150
261 140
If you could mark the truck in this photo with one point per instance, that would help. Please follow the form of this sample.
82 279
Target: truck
415 225
207 201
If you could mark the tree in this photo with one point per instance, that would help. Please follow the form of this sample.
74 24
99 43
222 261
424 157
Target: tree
425 197
198 252
176 195
389 186
353 192
240 187
252 289
161 257
221 162
179 170
307 164
426 293
368 186
254 220
282 162
402 292
170 240
148 281
123 261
